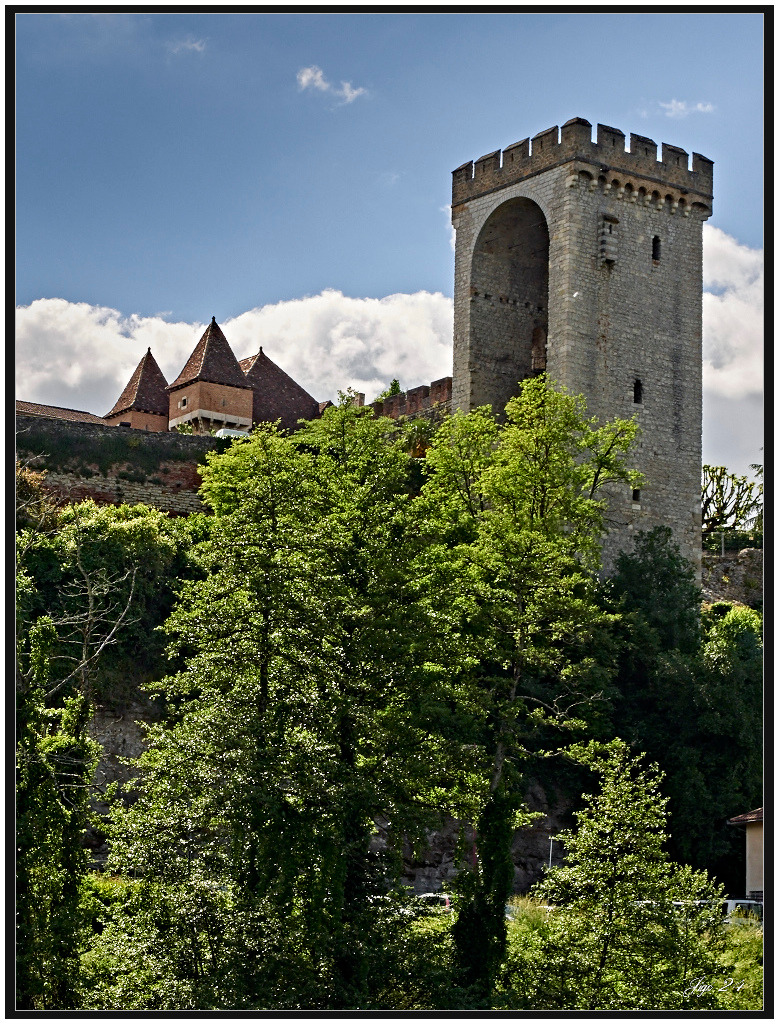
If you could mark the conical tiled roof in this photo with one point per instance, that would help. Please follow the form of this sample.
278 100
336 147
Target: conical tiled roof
145 391
212 360
276 395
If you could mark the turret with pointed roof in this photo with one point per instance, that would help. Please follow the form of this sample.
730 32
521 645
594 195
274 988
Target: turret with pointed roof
212 360
144 401
276 395
211 391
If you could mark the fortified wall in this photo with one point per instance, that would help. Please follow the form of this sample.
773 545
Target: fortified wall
425 401
126 466
116 465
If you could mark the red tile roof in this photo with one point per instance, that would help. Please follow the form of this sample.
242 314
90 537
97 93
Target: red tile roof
145 391
212 360
276 395
56 412
746 819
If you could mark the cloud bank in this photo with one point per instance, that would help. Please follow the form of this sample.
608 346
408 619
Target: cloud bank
733 282
81 356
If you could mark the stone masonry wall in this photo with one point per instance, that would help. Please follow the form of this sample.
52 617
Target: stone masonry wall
177 495
422 401
116 465
617 315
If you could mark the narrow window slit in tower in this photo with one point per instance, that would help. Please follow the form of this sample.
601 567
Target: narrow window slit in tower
636 496
638 392
656 248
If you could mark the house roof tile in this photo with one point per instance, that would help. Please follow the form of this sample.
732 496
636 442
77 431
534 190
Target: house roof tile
746 819
145 391
56 412
212 360
276 395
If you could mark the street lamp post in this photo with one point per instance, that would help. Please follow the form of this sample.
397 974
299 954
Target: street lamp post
552 839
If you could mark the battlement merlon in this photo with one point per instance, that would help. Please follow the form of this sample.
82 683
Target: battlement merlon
573 143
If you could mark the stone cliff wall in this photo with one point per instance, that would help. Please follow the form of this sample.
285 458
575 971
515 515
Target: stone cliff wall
120 734
735 576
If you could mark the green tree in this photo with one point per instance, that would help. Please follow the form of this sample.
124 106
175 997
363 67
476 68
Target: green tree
728 746
392 389
756 522
739 982
657 587
515 514
54 766
690 695
302 718
106 575
36 509
630 929
728 502
80 585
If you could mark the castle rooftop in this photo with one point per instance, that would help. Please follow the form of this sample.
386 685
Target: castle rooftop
145 391
212 360
276 395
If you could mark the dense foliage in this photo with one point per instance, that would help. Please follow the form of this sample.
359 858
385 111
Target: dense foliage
690 696
620 927
631 929
355 644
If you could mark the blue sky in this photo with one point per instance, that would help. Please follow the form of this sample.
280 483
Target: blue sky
175 166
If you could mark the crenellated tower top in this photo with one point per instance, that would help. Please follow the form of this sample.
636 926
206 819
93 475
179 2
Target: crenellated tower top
637 166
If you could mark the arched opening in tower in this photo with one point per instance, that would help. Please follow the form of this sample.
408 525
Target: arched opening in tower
509 305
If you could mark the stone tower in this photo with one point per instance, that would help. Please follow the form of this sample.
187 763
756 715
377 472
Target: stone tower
584 259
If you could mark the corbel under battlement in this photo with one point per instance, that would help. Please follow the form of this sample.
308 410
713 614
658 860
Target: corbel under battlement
604 159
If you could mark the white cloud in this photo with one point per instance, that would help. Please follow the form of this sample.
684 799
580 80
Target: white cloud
81 356
329 342
188 45
681 108
388 179
313 78
733 281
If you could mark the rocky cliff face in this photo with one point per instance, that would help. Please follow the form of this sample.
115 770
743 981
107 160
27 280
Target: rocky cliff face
435 867
120 733
736 576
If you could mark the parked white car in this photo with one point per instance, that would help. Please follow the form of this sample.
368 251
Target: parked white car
740 911
431 902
